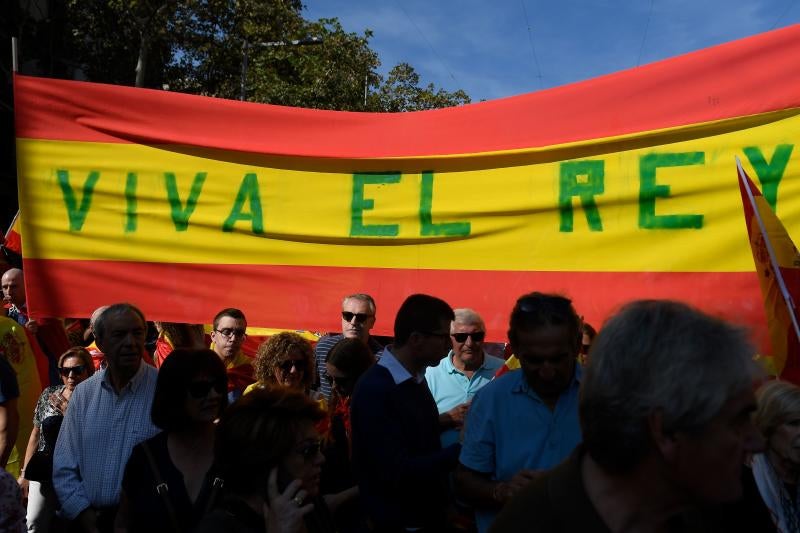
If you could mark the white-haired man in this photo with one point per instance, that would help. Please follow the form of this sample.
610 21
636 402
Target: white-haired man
461 373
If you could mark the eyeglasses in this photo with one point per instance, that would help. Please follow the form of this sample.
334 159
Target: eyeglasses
228 333
476 336
67 370
287 365
347 316
200 389
309 451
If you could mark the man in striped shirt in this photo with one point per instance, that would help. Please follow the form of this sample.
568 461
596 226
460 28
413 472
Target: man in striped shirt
358 317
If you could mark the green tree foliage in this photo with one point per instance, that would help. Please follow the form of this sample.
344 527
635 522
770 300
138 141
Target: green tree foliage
198 46
401 91
106 39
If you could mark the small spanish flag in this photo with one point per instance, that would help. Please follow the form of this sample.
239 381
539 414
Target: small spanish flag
12 240
778 267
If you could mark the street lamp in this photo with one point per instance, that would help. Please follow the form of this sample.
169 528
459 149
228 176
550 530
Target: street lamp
246 45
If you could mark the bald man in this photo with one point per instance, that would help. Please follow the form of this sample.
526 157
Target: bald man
47 336
13 284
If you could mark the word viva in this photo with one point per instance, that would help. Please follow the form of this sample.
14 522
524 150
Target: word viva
580 182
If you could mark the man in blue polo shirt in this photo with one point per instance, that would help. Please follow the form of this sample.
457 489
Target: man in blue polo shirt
524 422
459 375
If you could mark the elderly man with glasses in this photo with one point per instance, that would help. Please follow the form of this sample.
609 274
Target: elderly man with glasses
227 337
461 373
358 317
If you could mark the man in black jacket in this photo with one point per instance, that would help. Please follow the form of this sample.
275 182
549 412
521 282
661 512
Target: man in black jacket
399 462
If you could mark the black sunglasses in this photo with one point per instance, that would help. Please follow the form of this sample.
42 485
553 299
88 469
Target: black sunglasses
476 336
287 365
309 451
200 389
67 370
360 317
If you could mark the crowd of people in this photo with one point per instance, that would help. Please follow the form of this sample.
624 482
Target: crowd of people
660 422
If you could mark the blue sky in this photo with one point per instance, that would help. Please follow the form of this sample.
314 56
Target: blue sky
486 47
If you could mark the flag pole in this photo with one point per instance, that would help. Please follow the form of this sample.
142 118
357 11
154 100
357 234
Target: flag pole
787 297
14 59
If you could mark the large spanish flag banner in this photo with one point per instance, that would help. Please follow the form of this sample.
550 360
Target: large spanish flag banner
611 189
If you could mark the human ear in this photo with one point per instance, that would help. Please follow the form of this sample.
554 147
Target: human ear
665 441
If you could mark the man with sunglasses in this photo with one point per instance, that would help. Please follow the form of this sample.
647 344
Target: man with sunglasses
358 318
227 337
526 421
108 415
459 375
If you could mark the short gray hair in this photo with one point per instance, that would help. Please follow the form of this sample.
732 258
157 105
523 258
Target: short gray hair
658 356
364 298
99 326
465 315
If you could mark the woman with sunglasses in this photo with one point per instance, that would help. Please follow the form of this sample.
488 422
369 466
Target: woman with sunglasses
268 453
346 362
285 359
74 366
169 483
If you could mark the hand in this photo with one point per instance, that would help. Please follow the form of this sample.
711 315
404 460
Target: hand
58 402
24 486
283 513
32 326
505 490
454 417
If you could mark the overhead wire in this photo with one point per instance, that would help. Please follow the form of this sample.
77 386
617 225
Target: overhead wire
644 37
425 38
530 41
785 11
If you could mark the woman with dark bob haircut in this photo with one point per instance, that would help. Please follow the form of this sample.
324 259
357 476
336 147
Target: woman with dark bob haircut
190 396
268 452
347 361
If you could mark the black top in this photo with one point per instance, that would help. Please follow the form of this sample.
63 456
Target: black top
147 510
750 514
398 458
232 516
558 503
337 475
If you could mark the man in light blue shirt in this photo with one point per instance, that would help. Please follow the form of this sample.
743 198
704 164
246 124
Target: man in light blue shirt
526 421
461 373
108 414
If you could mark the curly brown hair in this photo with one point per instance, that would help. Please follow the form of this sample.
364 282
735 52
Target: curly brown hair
276 350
